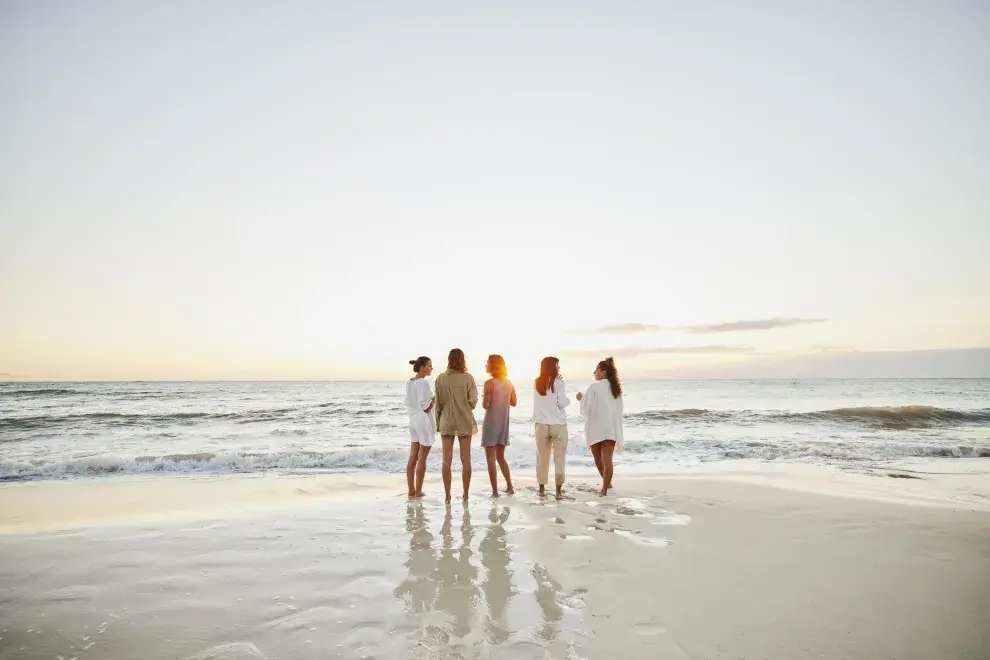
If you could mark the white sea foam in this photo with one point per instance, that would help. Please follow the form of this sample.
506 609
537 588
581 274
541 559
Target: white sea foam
93 429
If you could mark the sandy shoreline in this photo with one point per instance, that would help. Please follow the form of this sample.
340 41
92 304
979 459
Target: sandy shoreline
703 566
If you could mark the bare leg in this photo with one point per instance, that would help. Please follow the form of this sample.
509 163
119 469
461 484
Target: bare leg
465 441
424 452
500 456
596 451
492 472
608 446
448 456
411 468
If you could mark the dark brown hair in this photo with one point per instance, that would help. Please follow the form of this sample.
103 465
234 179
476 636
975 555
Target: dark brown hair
456 361
496 366
548 374
608 366
419 362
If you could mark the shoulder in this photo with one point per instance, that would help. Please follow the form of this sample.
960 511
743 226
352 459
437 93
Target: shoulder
490 383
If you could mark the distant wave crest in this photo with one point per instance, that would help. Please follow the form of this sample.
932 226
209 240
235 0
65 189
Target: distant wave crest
895 417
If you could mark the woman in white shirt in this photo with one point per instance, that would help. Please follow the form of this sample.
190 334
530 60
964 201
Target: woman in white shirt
549 412
422 428
601 407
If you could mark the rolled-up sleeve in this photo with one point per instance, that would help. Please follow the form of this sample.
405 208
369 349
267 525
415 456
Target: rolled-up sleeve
472 393
562 400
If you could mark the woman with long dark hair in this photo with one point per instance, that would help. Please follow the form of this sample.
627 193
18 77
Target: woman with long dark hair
498 395
550 415
601 407
457 396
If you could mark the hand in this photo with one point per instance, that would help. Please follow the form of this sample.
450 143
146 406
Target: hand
559 377
579 396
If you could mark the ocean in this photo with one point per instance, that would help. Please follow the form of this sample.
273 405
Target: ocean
89 430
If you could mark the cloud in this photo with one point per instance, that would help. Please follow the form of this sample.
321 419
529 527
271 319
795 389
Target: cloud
936 363
729 326
635 351
620 329
743 326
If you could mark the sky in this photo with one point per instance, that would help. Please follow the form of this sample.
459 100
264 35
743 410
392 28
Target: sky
326 190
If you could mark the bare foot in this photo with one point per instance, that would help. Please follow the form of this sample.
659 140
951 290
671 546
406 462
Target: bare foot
465 497
447 498
494 494
510 491
543 491
559 495
412 495
604 491
420 495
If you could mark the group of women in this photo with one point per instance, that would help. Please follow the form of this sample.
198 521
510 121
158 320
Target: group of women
450 411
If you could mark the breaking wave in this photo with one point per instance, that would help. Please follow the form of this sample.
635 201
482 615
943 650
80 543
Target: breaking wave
895 417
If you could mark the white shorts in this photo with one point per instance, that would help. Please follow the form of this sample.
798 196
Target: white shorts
422 431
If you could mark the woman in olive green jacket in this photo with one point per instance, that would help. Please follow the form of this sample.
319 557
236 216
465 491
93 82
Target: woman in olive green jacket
457 396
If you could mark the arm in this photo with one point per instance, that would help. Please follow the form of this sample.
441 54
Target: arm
486 398
439 401
586 402
562 400
424 399
512 396
472 393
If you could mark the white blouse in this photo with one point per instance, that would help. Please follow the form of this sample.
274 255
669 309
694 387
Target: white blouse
602 414
418 396
552 407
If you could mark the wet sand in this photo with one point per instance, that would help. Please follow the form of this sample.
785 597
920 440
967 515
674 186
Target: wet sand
340 567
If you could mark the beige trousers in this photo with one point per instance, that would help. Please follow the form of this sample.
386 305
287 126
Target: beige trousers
550 438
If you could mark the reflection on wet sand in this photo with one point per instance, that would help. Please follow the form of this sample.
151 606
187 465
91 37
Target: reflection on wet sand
497 584
419 590
456 576
454 605
547 592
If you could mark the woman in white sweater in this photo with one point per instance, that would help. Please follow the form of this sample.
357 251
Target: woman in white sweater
550 414
601 407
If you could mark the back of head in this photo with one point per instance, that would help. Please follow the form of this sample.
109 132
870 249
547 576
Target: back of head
419 363
456 361
612 374
496 366
548 375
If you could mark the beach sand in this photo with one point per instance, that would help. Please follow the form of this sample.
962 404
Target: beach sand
741 565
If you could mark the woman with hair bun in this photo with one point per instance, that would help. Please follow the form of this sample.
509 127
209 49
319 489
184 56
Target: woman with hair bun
422 429
601 407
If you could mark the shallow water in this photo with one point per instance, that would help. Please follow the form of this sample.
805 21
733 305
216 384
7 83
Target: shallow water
69 430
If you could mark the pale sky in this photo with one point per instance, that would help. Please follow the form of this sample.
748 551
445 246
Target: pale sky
262 190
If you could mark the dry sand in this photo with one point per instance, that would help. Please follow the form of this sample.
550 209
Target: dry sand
730 566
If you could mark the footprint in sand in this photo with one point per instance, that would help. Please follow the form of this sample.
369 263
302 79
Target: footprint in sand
648 629
643 540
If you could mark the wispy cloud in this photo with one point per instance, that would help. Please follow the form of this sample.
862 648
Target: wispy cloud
635 351
829 348
743 326
620 329
713 328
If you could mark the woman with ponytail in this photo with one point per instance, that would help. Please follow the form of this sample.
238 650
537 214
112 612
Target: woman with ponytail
422 429
601 407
